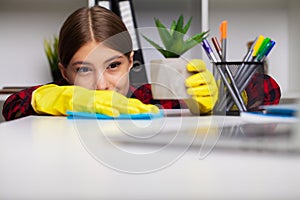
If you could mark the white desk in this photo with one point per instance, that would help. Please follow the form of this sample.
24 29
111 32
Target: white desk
43 158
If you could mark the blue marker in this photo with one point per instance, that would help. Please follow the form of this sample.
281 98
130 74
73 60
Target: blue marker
271 47
265 52
208 50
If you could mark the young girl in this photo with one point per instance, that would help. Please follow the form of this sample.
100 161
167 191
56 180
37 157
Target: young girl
95 55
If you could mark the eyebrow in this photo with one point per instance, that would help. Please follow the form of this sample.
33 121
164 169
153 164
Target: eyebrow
112 58
88 63
81 63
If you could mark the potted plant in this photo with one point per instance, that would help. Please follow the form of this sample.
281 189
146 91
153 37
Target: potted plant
176 43
51 51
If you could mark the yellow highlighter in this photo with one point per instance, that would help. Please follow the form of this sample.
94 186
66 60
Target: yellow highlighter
257 45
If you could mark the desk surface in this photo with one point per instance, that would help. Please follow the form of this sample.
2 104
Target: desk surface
46 158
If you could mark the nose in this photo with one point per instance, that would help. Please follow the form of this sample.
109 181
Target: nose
102 83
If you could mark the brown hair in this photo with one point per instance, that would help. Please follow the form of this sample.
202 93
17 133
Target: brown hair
92 24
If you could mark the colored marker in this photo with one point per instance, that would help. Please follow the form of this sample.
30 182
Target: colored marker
223 30
210 54
262 47
265 52
217 46
208 50
258 43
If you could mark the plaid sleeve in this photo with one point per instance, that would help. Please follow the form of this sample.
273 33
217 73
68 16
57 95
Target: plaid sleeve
18 104
271 91
144 94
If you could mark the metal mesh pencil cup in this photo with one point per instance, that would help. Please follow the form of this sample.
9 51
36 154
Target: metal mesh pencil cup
240 87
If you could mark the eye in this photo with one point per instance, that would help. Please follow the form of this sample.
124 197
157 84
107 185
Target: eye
83 69
114 65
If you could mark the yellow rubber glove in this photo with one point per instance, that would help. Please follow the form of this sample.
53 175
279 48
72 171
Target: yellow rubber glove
56 100
202 87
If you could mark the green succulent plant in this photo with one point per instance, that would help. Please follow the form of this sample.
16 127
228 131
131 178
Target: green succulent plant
51 51
174 40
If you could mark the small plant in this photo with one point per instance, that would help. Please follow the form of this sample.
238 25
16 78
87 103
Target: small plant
173 38
51 51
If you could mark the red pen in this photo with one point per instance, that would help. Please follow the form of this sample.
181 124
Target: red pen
217 46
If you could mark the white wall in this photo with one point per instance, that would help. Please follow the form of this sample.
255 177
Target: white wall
24 25
248 19
166 11
277 19
294 45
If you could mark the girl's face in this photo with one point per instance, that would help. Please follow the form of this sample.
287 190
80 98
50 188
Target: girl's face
97 67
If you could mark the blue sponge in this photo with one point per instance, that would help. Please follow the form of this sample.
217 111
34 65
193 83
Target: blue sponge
84 115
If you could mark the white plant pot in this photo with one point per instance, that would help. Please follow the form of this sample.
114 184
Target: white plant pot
168 78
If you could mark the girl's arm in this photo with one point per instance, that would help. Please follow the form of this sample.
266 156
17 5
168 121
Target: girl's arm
18 104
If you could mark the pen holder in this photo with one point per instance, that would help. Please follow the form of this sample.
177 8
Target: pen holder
240 87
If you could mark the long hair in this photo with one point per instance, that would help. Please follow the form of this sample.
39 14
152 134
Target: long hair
92 24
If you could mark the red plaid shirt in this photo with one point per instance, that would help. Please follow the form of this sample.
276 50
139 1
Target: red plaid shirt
19 104
270 94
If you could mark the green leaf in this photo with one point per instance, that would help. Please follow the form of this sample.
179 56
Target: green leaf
193 41
164 34
47 50
174 38
187 26
179 25
169 54
165 53
51 51
159 24
188 45
177 42
172 28
200 36
152 43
